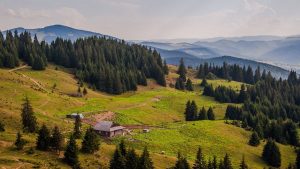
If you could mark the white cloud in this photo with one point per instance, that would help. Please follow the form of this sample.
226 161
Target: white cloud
62 15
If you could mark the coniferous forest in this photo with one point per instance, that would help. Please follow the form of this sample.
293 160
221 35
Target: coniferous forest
109 65
270 106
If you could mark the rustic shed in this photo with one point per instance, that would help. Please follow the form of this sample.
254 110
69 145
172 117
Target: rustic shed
108 129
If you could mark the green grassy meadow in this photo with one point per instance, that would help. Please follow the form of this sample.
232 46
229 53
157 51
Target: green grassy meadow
151 105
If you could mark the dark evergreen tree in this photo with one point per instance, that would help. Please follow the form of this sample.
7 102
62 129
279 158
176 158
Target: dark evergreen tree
227 162
271 154
200 162
57 139
166 69
254 139
77 127
71 153
202 114
2 127
91 141
210 114
132 160
203 82
182 70
187 112
191 111
28 118
243 95
20 142
145 161
38 64
189 85
257 75
118 161
298 159
214 163
208 90
43 140
243 164
181 163
122 148
179 84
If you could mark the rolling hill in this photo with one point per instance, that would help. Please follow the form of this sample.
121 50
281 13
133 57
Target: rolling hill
161 107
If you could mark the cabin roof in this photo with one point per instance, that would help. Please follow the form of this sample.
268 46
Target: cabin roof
107 126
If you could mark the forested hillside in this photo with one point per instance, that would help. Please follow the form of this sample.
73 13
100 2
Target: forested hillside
108 65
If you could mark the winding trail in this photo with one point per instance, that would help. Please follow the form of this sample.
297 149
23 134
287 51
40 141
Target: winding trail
29 78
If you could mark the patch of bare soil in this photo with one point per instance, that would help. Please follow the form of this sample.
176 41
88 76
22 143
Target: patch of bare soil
103 116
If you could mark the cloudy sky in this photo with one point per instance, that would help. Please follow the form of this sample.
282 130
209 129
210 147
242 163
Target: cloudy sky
158 19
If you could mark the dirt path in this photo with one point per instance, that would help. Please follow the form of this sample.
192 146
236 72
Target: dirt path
27 77
94 119
18 68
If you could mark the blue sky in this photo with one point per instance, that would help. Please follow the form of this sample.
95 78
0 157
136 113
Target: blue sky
158 19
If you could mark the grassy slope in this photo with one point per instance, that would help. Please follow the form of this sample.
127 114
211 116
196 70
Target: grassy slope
149 105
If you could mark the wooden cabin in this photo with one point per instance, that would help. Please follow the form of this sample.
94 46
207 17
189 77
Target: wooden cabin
109 129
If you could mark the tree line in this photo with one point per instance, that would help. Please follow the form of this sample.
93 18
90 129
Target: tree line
108 65
192 114
233 72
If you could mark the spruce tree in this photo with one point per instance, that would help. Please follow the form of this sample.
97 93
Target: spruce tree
298 159
71 153
77 127
118 161
38 64
43 139
179 84
214 162
271 154
187 112
122 148
2 127
132 160
202 114
166 69
210 114
200 162
20 142
57 139
189 85
204 82
91 141
208 90
243 164
182 70
28 118
193 111
145 161
227 162
181 163
254 139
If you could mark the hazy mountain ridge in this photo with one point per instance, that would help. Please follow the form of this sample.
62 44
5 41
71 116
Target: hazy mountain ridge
269 49
50 33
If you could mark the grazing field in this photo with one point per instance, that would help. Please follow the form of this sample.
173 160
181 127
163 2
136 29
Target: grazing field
214 137
52 92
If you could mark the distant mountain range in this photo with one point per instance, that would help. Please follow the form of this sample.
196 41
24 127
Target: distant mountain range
279 51
269 52
50 33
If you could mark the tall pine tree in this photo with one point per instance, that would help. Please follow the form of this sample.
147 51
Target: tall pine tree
28 118
71 153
